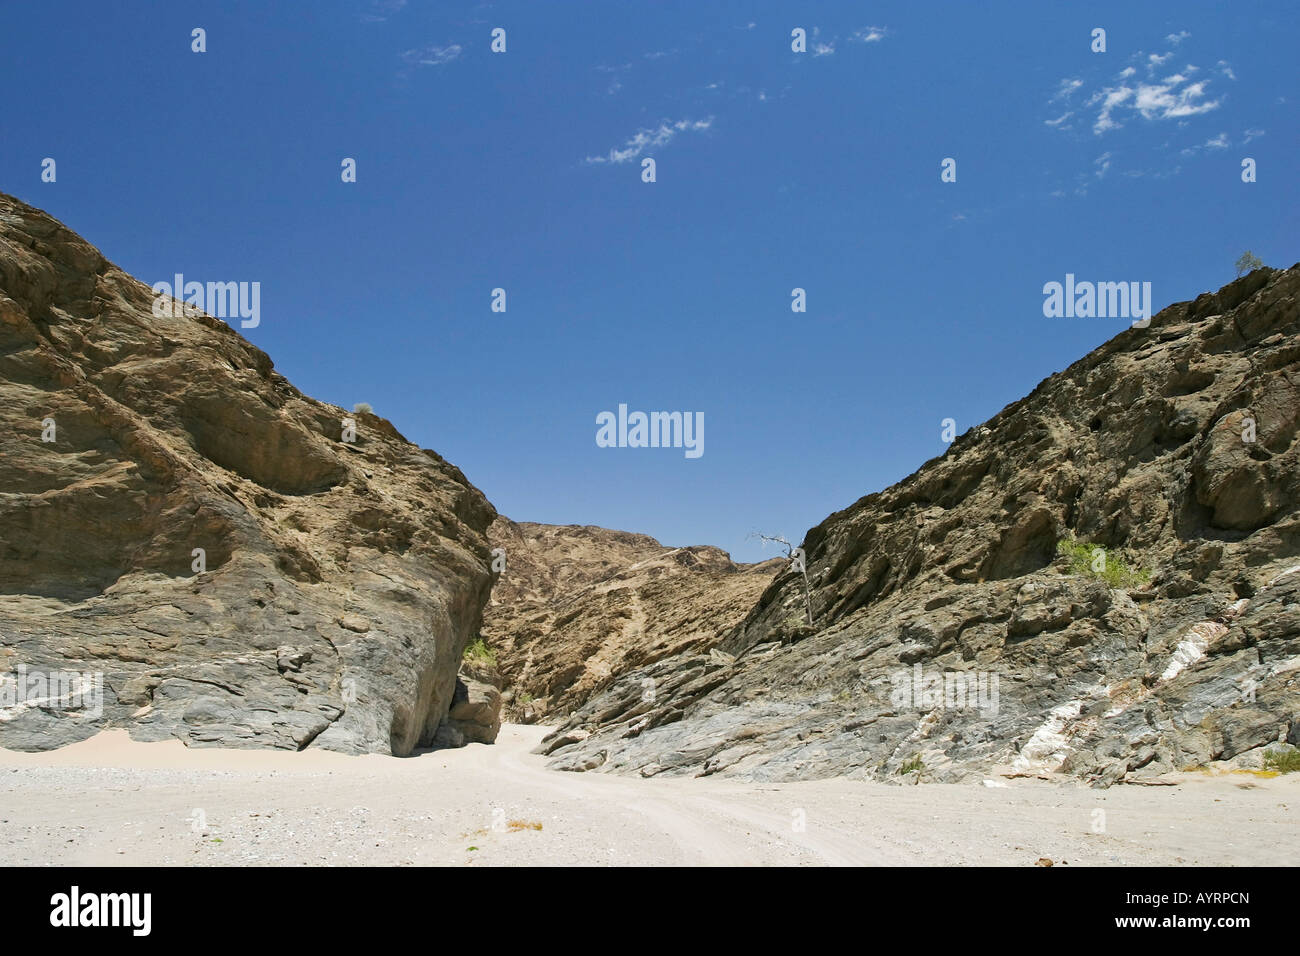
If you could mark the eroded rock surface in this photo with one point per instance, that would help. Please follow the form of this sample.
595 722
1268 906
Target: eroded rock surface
340 582
954 574
579 605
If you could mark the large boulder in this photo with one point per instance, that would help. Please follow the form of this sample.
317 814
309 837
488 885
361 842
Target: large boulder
180 524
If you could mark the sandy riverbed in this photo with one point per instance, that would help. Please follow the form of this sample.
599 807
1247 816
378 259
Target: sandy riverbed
111 801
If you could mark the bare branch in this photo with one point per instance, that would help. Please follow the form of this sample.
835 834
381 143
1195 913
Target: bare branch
790 550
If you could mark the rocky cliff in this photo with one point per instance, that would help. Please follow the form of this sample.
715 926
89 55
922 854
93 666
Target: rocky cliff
578 605
180 524
1100 581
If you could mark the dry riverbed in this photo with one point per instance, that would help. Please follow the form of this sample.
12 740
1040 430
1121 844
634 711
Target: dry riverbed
111 801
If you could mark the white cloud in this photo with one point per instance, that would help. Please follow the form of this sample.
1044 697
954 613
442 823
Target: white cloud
1162 101
1155 60
645 139
381 10
1219 142
823 49
1226 70
1251 134
1177 38
869 35
1110 99
432 55
1102 163
1060 119
1067 87
1173 97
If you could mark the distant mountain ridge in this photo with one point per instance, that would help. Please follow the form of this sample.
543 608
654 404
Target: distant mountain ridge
578 605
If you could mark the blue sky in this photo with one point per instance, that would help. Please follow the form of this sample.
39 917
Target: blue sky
775 170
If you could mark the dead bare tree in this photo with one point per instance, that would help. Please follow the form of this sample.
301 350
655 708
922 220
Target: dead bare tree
797 563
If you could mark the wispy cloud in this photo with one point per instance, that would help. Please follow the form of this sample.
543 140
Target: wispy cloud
868 35
432 55
1176 96
1166 101
645 139
381 10
1218 142
819 47
1067 87
1147 90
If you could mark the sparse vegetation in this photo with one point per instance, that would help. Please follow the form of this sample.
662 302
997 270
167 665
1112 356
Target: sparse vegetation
912 766
1101 563
1248 262
479 653
363 407
797 563
516 825
524 699
1283 761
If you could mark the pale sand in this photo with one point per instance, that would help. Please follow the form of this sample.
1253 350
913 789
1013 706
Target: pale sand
111 801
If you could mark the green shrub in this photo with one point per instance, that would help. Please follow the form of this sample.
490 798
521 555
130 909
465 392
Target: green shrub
1283 761
1118 573
913 765
363 408
1248 262
479 653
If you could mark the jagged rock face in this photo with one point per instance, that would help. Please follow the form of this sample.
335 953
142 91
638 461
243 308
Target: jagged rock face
342 580
953 574
577 606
